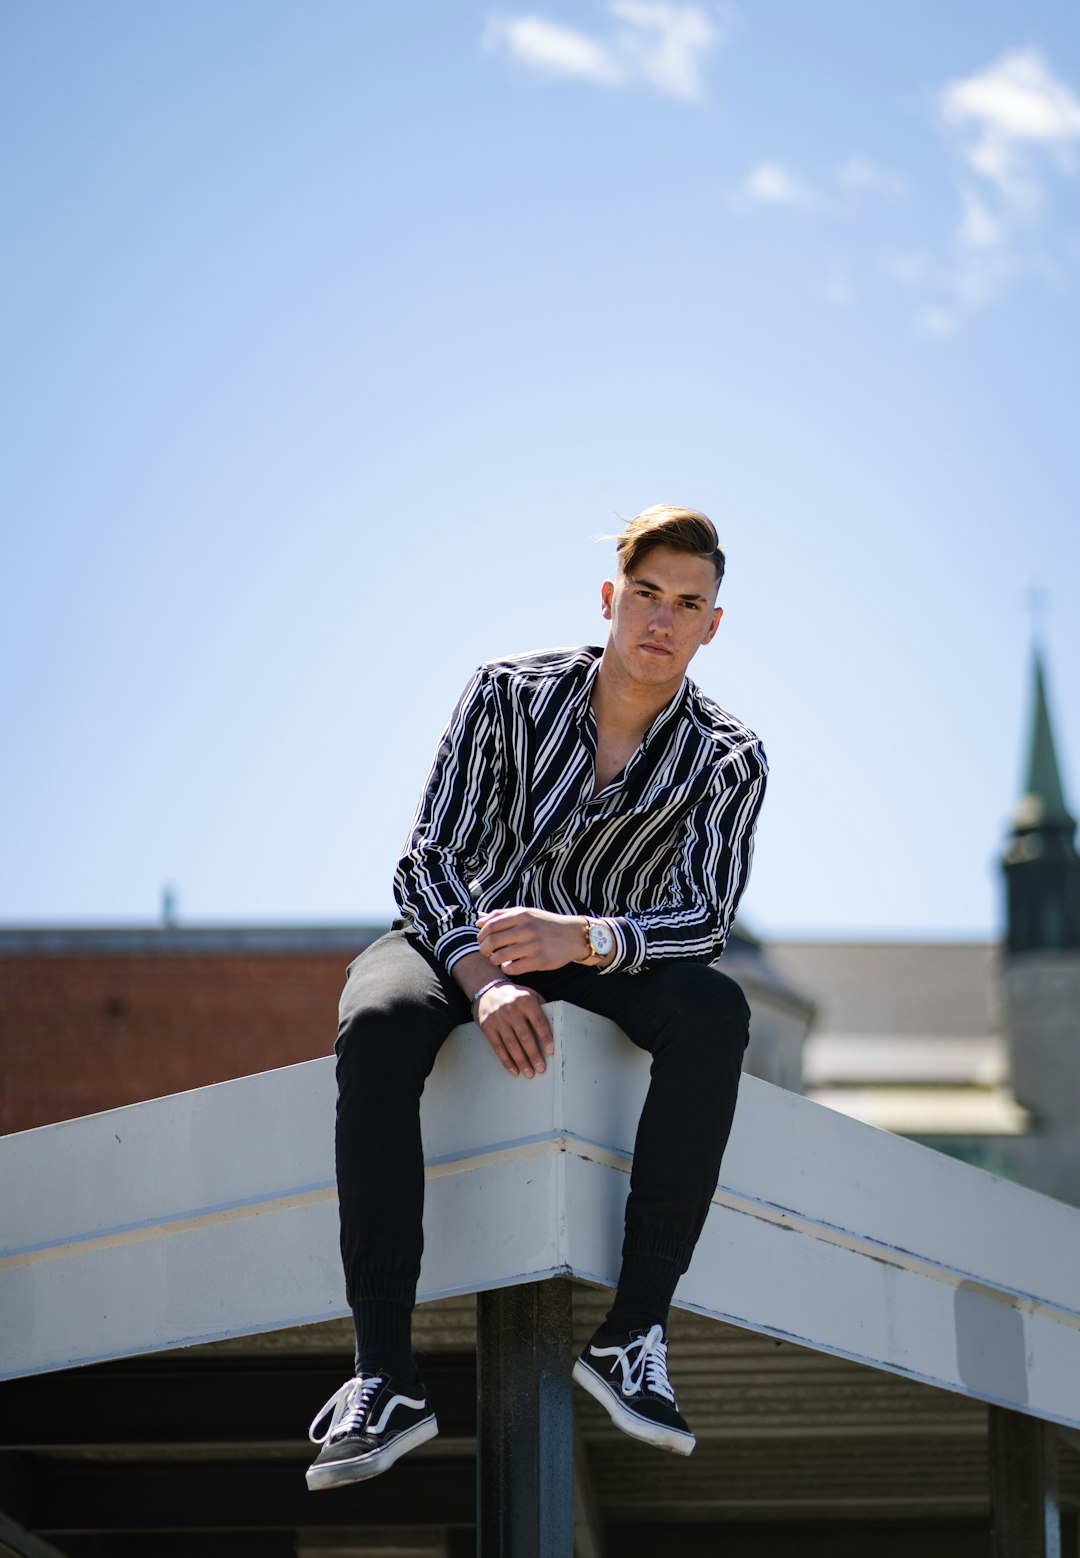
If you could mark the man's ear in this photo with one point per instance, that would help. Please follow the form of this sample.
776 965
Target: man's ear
718 612
607 590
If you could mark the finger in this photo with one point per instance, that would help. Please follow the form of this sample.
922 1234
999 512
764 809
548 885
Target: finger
542 1029
519 1058
502 917
499 1047
511 957
528 1039
516 1031
494 940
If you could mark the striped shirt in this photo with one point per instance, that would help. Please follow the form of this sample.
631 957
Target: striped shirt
508 816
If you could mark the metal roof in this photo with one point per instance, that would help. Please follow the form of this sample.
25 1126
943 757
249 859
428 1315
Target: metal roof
896 989
785 1434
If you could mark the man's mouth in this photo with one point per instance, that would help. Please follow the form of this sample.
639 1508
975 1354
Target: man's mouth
656 649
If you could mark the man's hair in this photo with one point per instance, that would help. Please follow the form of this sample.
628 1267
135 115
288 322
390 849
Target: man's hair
665 524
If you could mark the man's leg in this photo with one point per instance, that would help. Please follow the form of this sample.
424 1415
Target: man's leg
396 1009
694 1021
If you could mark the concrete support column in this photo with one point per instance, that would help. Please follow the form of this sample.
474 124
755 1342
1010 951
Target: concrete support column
524 1426
1024 1514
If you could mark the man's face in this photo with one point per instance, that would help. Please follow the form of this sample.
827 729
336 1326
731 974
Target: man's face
661 614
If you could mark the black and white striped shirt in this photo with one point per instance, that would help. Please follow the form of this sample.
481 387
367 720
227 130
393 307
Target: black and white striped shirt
508 816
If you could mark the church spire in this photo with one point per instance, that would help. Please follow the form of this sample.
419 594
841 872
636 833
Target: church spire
1043 802
1042 869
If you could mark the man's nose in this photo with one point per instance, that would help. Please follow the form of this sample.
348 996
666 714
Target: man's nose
662 620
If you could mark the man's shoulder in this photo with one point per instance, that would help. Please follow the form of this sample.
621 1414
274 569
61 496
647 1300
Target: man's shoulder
542 665
726 731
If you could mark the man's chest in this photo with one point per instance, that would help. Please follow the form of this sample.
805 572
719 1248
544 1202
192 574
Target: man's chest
613 754
562 784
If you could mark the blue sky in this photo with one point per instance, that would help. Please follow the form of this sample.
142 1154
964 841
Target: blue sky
336 333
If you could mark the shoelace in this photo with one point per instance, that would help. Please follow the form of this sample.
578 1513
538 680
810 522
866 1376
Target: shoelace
649 1366
348 1407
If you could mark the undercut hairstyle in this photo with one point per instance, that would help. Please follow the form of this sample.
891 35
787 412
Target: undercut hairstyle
665 524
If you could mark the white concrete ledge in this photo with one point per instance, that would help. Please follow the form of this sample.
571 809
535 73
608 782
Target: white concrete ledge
213 1213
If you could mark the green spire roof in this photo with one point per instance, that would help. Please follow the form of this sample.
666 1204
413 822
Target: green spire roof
1043 802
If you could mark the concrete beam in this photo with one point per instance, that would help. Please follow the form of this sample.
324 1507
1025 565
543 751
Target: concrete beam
213 1213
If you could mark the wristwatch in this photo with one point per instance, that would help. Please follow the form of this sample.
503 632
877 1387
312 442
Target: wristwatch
599 941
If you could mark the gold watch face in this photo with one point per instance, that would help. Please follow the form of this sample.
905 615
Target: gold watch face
601 939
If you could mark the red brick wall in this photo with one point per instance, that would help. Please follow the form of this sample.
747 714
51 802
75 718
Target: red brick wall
80 1033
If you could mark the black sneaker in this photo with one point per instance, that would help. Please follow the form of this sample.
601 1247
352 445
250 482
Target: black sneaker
628 1376
374 1420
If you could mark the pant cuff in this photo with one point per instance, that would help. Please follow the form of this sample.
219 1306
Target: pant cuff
658 1246
388 1285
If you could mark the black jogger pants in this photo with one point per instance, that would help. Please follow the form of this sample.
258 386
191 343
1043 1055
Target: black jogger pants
399 1005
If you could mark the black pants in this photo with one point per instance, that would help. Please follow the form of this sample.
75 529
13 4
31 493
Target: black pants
398 1006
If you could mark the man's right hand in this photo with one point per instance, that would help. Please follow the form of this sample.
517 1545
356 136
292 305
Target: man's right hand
512 1020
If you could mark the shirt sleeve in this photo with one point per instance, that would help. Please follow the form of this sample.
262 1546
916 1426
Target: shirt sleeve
707 877
459 798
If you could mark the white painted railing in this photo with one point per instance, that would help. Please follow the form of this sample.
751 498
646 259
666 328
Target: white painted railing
213 1213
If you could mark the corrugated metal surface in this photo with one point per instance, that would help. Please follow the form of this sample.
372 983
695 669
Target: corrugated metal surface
783 1432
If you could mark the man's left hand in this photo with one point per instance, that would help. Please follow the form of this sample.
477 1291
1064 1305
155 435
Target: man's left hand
523 941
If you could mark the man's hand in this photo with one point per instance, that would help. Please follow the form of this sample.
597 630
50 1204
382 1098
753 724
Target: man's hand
512 1020
523 941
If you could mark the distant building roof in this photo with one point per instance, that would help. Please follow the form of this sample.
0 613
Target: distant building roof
895 989
140 940
908 1035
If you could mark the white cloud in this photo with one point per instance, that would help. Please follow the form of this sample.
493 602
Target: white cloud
1010 127
772 185
667 43
858 173
560 51
661 44
1007 118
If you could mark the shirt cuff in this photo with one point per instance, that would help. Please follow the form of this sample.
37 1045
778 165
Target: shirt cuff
453 945
629 947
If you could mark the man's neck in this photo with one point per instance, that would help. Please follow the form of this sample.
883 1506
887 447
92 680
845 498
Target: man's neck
623 705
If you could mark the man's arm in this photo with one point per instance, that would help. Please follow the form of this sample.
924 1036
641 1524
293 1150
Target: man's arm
509 1016
708 876
459 802
522 941
519 941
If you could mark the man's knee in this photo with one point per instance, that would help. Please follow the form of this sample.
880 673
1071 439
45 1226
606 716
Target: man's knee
705 1007
387 1043
392 1017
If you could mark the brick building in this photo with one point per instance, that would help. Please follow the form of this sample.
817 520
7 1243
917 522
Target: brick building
94 1019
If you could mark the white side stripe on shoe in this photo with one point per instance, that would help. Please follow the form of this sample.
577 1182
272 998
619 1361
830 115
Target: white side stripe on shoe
384 1416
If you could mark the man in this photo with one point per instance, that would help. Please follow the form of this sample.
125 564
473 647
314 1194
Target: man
585 835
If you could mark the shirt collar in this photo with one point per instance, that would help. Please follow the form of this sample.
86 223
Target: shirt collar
582 704
669 712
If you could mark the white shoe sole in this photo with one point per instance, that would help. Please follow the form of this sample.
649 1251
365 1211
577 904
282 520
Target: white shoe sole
337 1473
672 1439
